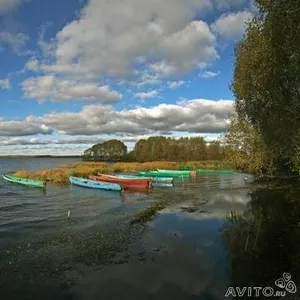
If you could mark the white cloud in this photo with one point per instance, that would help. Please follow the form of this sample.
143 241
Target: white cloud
175 84
32 65
23 128
42 141
209 74
147 95
162 69
45 149
168 41
198 116
149 79
7 5
75 145
231 26
47 49
49 87
16 41
4 84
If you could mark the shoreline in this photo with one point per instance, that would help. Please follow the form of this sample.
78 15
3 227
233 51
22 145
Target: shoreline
39 156
60 174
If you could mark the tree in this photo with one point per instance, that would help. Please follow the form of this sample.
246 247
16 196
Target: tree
140 150
266 79
246 148
112 150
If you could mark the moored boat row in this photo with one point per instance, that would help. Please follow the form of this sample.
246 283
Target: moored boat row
118 182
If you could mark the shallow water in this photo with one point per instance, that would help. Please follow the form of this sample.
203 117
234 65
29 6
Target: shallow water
191 249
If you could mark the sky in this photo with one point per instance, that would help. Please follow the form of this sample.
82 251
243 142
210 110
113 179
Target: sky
74 73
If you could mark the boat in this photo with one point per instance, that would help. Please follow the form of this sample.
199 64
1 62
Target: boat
204 171
95 184
24 181
155 179
166 173
127 183
162 184
161 174
176 172
151 174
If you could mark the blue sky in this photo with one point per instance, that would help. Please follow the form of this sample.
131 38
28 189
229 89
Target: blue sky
74 72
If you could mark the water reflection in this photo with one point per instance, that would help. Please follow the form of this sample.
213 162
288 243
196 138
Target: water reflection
264 242
96 253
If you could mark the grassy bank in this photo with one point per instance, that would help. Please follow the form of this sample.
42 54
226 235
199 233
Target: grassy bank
84 169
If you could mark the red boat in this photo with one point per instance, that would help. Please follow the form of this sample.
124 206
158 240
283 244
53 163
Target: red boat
128 184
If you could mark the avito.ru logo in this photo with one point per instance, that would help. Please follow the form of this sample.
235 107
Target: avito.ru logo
284 283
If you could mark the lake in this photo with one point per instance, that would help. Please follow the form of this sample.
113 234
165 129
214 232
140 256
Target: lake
217 232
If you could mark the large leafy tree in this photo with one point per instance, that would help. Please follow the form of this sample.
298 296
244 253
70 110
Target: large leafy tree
112 150
266 79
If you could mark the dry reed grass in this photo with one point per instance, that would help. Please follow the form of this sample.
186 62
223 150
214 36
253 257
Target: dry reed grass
84 169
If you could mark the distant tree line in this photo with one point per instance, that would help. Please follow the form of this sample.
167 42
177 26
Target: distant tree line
157 148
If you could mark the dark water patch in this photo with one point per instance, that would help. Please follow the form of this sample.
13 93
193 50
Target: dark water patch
265 237
166 259
68 251
9 194
14 206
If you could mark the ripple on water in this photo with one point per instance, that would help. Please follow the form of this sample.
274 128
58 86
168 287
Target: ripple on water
42 251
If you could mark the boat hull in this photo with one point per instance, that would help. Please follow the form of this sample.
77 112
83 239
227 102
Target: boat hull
203 171
162 174
24 181
128 184
155 179
162 185
176 172
95 184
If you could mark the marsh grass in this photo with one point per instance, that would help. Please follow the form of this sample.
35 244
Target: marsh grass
84 169
147 214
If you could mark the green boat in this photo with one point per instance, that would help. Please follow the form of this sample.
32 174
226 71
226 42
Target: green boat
176 172
163 174
204 171
24 181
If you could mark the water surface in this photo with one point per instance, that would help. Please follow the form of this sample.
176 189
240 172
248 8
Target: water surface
195 248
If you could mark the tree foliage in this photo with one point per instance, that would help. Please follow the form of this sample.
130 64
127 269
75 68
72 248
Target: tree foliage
246 149
266 82
112 150
157 148
160 148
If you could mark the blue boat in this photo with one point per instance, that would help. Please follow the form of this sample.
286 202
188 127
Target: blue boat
155 179
161 184
95 184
